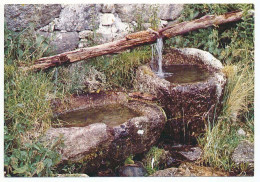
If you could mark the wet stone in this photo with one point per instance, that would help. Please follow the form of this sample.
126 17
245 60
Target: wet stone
132 170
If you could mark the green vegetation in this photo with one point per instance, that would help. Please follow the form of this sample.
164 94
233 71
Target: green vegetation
27 109
233 44
153 160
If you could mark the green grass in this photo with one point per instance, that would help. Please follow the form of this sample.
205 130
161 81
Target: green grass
27 110
120 69
155 156
221 139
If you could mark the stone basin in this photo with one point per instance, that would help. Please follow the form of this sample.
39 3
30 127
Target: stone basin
189 105
101 145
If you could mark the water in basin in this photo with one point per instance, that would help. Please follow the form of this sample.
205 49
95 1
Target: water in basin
112 115
185 73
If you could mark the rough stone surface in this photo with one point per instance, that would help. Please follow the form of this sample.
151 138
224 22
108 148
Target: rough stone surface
188 105
114 31
108 8
189 169
133 12
85 34
19 16
241 132
99 145
62 42
125 12
107 19
170 11
132 170
192 154
79 140
110 21
78 17
244 153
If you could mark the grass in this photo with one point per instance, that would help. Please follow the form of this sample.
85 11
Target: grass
221 139
120 69
27 110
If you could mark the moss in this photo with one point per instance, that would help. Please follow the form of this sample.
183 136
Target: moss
154 160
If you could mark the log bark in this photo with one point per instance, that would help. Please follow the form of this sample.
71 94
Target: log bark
133 40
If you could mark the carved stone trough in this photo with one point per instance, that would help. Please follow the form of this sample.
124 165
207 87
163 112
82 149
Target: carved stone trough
189 105
101 145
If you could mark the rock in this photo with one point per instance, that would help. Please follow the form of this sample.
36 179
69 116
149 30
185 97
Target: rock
241 132
62 42
19 16
113 32
146 25
72 175
135 12
106 173
132 170
99 145
83 43
126 12
163 23
107 19
85 34
191 155
79 141
170 11
189 169
108 8
78 17
187 105
244 153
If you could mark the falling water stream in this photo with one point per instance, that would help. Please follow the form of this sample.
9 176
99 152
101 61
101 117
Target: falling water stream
159 48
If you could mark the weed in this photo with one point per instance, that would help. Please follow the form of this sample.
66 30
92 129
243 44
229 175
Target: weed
120 69
154 159
27 108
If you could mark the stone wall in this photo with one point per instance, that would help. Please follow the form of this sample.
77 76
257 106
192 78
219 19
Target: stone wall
79 25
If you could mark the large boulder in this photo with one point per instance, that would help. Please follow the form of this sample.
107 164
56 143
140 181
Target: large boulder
100 145
189 106
18 16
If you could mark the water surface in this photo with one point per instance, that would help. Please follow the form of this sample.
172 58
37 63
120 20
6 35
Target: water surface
185 73
112 115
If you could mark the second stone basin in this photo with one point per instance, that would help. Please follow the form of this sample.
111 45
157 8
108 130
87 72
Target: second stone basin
192 102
